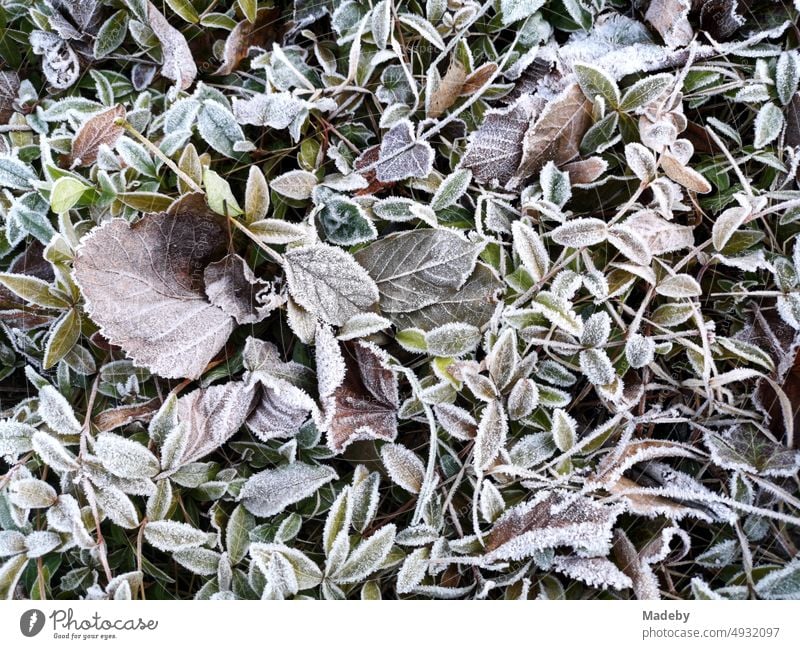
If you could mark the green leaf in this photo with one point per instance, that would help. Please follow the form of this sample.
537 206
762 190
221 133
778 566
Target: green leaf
452 188
10 572
185 10
600 134
249 9
63 336
596 81
345 223
219 195
66 192
111 34
145 201
33 290
644 91
769 123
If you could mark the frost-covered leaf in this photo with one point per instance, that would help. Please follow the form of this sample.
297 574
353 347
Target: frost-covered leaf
206 418
726 225
329 283
53 452
645 90
677 286
306 573
452 339
559 311
365 405
60 63
451 189
639 350
595 81
768 126
473 303
783 583
219 128
551 519
661 236
101 129
413 570
170 536
556 134
31 493
57 413
124 457
165 323
530 249
670 18
178 64
296 184
404 467
416 269
118 507
744 447
14 173
495 149
491 435
580 232
598 572
641 161
271 491
402 155
232 286
563 430
367 556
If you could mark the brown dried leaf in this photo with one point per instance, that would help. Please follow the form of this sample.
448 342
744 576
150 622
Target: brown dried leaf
143 284
720 18
495 149
552 519
124 415
684 175
210 417
9 84
476 80
662 236
645 583
793 122
583 172
448 90
97 130
365 405
231 285
179 65
670 18
557 134
264 31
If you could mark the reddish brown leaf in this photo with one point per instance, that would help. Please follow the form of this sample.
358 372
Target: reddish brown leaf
557 134
97 130
365 405
551 519
264 31
123 415
448 90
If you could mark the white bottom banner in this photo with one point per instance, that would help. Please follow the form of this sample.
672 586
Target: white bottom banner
398 624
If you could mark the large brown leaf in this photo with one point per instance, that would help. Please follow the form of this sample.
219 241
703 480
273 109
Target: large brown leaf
557 134
143 285
365 405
